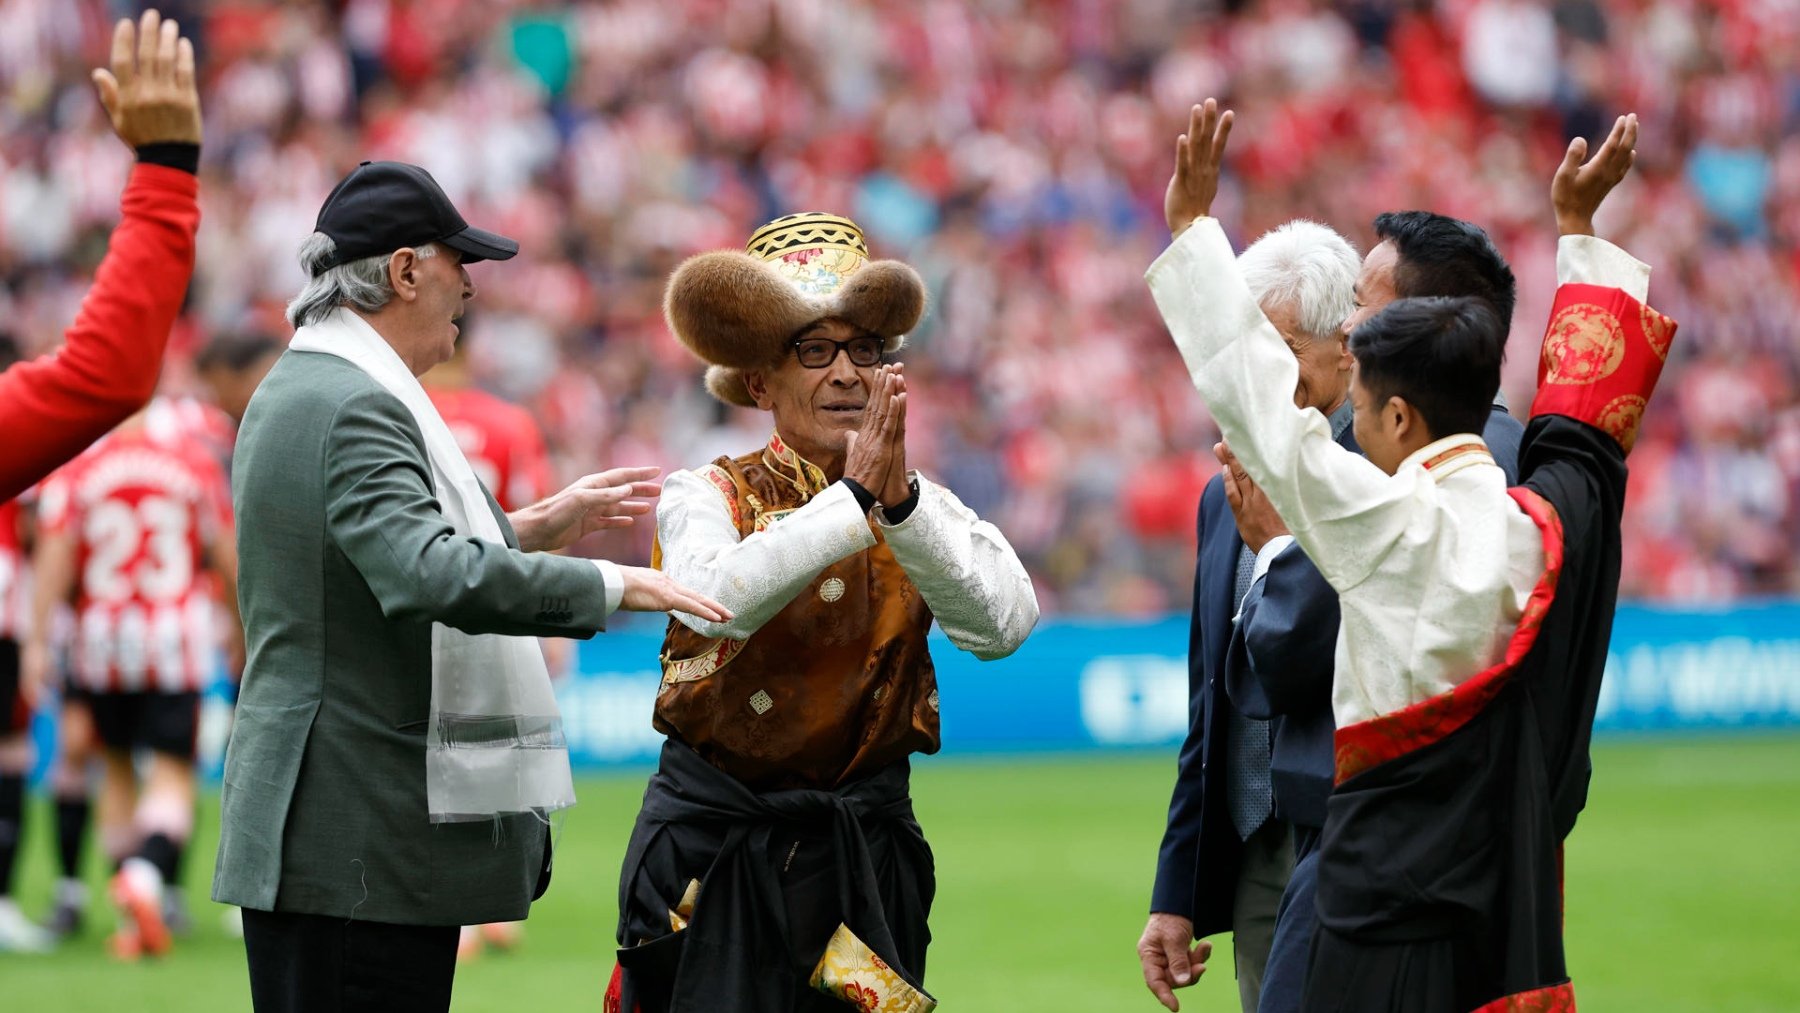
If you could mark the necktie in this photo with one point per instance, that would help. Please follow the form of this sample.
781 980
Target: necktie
1247 784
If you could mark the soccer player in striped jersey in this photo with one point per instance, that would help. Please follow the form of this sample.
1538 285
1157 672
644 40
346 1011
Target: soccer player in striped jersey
17 933
137 535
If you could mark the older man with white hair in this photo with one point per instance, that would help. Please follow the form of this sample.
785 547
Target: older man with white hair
1243 782
397 746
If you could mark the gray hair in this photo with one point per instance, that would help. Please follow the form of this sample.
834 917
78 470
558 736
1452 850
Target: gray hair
362 284
1308 266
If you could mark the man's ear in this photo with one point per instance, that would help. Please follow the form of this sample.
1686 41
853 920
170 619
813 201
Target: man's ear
1345 360
403 273
1399 416
757 384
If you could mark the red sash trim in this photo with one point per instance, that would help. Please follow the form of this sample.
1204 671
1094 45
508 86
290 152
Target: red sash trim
1555 999
1603 353
1458 451
615 989
1388 737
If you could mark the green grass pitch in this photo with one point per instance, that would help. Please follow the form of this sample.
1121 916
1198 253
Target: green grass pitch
1683 894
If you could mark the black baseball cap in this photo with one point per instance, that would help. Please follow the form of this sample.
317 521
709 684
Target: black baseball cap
383 206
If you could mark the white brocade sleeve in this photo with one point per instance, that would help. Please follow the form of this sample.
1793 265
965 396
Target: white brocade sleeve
1345 512
754 577
1590 260
966 571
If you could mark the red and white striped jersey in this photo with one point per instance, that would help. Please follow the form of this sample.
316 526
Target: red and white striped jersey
15 575
142 510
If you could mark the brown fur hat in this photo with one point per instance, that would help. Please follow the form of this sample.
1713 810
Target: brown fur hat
741 311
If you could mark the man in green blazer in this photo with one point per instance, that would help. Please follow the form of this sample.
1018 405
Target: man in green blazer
397 748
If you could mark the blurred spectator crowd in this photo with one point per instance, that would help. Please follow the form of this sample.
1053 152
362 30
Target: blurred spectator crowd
1015 151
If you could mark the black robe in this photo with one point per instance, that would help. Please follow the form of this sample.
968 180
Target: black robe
1440 876
733 901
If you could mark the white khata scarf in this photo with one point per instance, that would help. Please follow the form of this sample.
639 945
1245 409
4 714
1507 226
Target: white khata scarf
494 744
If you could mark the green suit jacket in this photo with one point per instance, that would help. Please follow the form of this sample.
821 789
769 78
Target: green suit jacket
345 562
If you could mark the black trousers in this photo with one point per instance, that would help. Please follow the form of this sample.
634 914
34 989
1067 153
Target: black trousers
320 964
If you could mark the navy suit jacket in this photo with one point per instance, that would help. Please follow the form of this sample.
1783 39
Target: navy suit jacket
1276 663
1199 833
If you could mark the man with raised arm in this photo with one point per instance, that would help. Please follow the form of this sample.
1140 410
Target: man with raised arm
54 406
1475 617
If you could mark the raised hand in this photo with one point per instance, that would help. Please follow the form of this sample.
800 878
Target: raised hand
1170 957
1578 189
869 452
1257 521
149 93
1199 154
609 499
897 489
648 590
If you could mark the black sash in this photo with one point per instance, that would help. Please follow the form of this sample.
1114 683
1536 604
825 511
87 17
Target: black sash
871 870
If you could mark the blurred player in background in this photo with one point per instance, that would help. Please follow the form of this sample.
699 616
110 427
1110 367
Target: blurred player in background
505 449
137 534
501 440
232 365
17 933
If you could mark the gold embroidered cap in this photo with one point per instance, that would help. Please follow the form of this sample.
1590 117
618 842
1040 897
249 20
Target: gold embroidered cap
814 249
741 311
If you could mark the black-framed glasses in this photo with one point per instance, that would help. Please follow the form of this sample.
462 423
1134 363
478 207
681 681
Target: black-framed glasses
817 353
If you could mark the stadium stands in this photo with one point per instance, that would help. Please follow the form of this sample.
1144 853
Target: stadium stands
1016 152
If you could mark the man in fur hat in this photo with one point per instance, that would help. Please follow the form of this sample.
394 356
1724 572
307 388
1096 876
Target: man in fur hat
776 864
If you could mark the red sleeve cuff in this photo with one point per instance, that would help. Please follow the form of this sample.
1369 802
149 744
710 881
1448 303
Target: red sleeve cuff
149 175
1603 354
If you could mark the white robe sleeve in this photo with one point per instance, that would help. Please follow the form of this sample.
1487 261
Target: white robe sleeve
754 577
1590 260
966 571
1345 512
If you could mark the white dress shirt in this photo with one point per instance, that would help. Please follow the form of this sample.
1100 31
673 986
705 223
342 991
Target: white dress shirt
1432 567
962 565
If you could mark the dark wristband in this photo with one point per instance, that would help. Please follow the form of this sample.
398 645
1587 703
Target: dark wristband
864 498
181 155
898 513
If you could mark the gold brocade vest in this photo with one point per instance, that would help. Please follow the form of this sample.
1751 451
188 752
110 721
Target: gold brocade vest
836 686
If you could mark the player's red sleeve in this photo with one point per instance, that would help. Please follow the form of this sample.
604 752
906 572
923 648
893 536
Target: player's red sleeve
53 406
531 463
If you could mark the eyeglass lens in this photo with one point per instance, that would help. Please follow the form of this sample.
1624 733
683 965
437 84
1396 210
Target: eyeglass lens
817 353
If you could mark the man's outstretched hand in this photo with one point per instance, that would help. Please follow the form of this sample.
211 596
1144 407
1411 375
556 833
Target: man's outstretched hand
648 590
149 93
609 499
1199 153
1578 190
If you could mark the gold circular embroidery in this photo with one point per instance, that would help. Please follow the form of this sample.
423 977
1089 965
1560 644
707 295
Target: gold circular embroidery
1620 419
832 589
1659 329
1585 344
